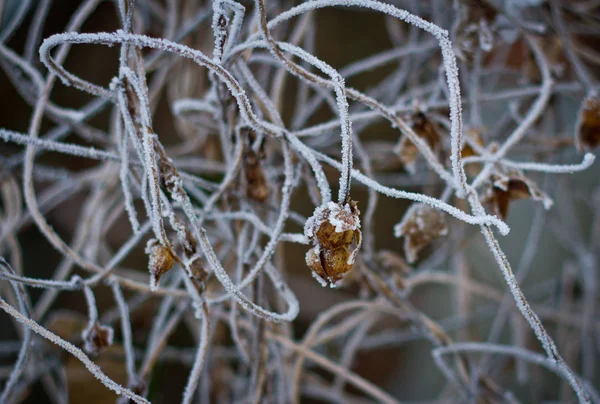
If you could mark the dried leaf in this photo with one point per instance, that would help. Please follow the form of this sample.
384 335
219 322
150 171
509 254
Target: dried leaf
420 225
425 129
161 260
257 187
468 151
588 125
190 245
197 269
512 185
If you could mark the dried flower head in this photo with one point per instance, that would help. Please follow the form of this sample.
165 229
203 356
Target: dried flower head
420 225
160 261
335 232
510 185
97 337
588 125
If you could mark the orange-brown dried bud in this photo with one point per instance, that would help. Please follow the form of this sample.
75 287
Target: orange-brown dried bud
161 260
96 338
420 225
588 125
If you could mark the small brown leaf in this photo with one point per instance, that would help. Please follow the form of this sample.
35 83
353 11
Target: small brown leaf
190 245
512 185
425 129
588 125
197 269
257 186
467 151
161 260
420 225
475 136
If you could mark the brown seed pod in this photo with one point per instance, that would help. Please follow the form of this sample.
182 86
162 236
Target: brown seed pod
335 232
588 125
161 260
96 338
